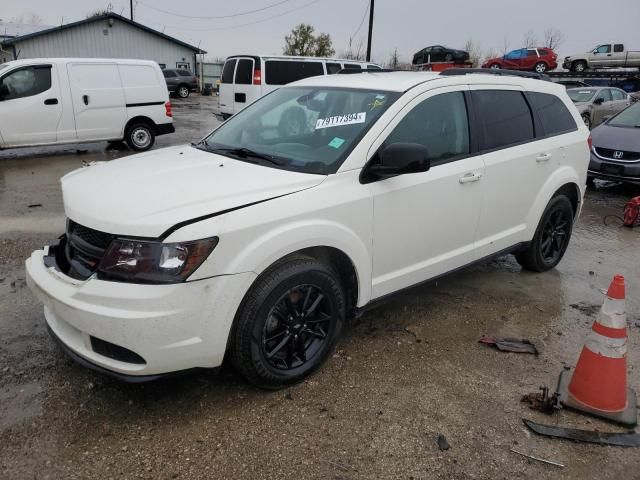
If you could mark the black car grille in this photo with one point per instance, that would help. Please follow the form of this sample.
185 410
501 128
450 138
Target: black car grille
84 249
617 154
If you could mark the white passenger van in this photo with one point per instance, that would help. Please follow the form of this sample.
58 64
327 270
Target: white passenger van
50 101
245 78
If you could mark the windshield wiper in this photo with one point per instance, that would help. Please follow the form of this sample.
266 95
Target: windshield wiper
245 153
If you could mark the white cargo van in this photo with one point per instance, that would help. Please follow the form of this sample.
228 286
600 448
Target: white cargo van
245 78
49 101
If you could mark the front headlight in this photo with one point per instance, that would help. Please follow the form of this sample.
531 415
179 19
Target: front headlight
141 261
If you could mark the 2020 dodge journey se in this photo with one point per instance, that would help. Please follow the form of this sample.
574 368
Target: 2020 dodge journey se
261 240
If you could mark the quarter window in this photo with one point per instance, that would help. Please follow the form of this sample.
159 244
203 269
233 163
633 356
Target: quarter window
505 118
553 114
27 82
227 71
281 72
244 72
440 123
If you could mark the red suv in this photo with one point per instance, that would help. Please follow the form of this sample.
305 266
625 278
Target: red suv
534 59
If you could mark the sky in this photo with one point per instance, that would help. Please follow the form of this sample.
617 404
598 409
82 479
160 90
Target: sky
407 25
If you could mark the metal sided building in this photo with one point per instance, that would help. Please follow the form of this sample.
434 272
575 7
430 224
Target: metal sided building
104 36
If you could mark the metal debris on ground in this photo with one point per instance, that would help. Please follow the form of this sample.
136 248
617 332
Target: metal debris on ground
34 205
628 439
509 344
443 444
542 401
538 459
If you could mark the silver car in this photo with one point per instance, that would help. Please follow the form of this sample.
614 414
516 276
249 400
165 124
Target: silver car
595 103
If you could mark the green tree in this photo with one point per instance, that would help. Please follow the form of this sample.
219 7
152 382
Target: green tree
302 42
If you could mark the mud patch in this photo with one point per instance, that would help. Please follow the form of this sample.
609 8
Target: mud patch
587 308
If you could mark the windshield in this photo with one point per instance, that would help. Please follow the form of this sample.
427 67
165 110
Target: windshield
629 117
306 129
581 94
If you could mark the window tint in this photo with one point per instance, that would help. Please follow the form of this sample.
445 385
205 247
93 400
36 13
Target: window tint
227 71
532 53
504 116
333 68
618 47
281 72
244 72
440 124
552 113
185 73
618 95
169 74
353 65
27 82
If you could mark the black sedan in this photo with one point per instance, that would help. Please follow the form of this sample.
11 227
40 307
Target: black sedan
438 53
615 154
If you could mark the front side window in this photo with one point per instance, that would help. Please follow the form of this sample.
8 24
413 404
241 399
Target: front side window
305 129
515 54
244 72
227 70
603 49
26 82
281 72
333 68
505 118
440 123
552 112
629 117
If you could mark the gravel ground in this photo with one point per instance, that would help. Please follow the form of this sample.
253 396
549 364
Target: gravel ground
403 373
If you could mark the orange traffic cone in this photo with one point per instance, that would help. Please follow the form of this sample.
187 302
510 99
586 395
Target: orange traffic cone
598 385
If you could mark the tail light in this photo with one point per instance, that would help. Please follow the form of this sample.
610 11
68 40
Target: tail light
167 109
590 142
257 77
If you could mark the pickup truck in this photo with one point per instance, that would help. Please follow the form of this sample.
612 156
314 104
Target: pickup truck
608 55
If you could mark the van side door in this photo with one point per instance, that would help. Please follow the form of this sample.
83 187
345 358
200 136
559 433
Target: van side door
98 100
30 105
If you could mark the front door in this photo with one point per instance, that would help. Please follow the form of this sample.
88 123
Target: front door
600 57
425 223
98 100
31 108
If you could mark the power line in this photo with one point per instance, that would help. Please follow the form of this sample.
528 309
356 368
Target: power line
366 9
200 17
243 24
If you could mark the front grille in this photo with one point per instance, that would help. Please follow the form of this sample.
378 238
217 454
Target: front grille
115 352
621 155
84 249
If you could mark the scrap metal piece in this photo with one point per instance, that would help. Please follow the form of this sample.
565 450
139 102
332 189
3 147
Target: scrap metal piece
509 344
628 439
542 402
538 459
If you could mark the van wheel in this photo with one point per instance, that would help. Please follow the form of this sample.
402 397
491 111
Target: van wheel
288 323
551 238
541 67
183 91
140 137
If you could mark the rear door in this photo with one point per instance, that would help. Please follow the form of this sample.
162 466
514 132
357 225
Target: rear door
244 90
31 112
601 109
619 101
98 100
529 62
619 56
226 86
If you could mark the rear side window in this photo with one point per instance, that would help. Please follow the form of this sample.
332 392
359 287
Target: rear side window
553 114
281 72
227 71
532 53
618 47
244 72
618 95
185 73
333 68
505 118
169 74
138 76
440 123
27 82
353 66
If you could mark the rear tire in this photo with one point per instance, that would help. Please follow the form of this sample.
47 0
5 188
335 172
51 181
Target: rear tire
140 137
288 323
540 67
551 239
183 91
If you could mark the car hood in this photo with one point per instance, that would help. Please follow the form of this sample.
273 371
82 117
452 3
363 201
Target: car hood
616 138
146 194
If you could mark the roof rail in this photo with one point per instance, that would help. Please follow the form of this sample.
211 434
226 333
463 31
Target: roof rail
349 71
496 71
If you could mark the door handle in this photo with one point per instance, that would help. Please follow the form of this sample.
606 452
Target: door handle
470 177
85 99
543 157
51 101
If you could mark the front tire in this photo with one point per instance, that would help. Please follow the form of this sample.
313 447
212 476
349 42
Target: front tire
579 66
552 237
288 323
495 66
140 137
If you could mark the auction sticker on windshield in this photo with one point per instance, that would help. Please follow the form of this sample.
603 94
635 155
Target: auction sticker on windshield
339 120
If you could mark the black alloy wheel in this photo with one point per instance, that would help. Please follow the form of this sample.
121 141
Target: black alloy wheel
555 236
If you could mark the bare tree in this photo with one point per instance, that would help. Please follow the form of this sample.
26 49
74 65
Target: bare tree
354 52
28 19
490 53
394 60
475 52
553 38
505 45
530 39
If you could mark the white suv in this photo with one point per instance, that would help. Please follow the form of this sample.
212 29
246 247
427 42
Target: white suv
320 198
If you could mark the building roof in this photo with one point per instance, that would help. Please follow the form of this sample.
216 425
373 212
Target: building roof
97 18
12 29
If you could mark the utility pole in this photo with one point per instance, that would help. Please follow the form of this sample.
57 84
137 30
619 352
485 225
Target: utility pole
131 8
370 31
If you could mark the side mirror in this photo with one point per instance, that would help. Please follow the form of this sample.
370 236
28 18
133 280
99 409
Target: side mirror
598 101
397 159
4 91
